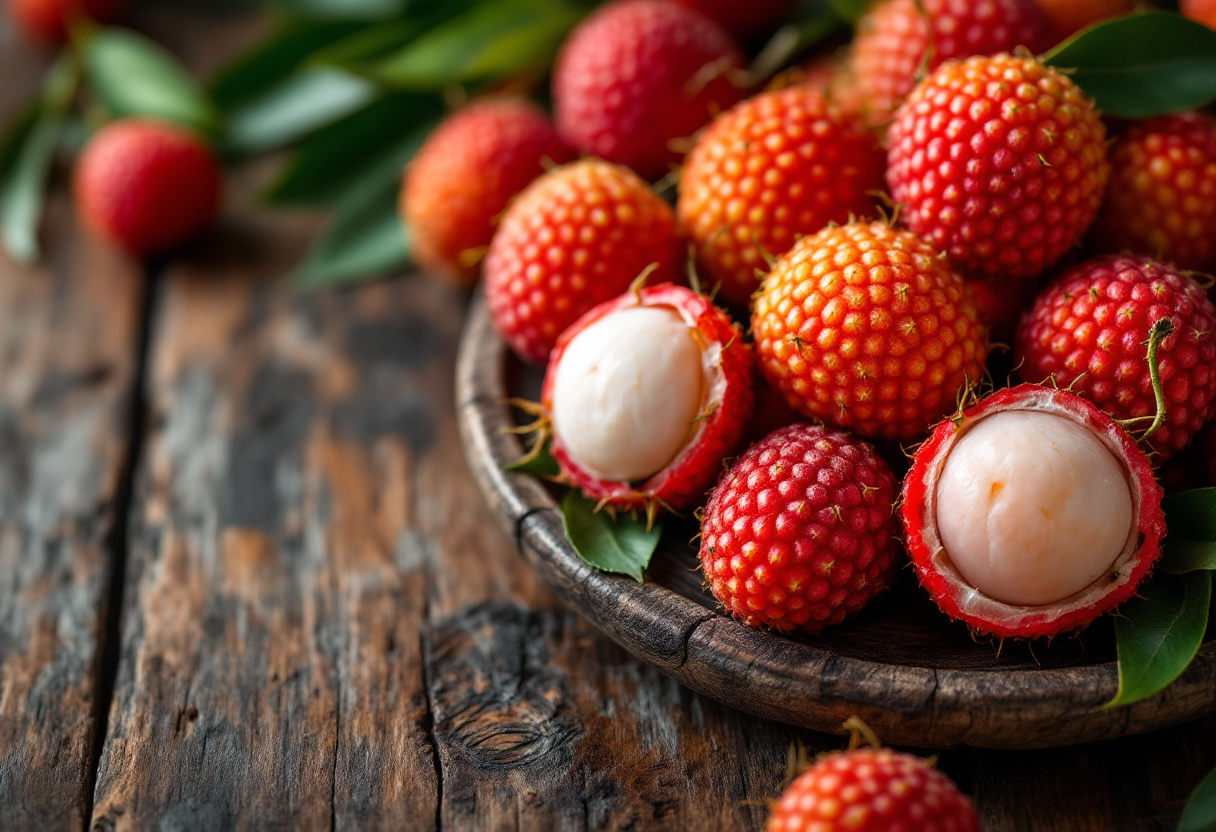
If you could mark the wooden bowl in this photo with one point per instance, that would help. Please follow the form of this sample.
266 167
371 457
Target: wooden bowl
915 677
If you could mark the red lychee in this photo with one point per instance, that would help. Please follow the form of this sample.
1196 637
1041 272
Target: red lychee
47 21
1070 16
1201 11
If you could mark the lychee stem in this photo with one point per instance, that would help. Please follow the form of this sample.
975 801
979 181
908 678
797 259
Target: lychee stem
1161 330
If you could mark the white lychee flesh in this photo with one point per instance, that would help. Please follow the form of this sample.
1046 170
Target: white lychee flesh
627 392
1032 507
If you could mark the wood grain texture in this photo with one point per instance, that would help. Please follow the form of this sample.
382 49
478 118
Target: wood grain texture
908 672
68 357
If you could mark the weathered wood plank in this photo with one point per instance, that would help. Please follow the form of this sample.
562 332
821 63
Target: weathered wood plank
69 344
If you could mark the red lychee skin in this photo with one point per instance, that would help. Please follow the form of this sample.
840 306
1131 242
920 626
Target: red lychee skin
744 20
1000 162
466 173
685 481
1201 11
1088 331
1070 16
986 615
873 790
800 533
892 39
47 21
576 237
776 167
147 185
1161 200
865 327
639 75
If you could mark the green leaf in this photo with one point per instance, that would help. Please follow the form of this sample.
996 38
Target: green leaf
817 21
490 41
277 58
1142 65
365 240
1159 632
1200 812
1190 544
307 101
345 9
851 10
29 167
374 143
371 43
541 465
623 546
132 76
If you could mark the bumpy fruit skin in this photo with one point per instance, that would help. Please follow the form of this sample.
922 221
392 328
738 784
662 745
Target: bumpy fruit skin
1000 162
638 75
1070 16
776 167
147 185
1088 331
576 237
744 20
46 21
867 328
892 39
987 615
466 173
1203 11
800 532
1162 195
873 790
731 382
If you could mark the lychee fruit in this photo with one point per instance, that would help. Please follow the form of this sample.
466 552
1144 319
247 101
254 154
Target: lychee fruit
776 167
1031 514
867 328
1071 16
873 790
1201 11
744 20
466 173
800 533
1000 162
47 21
645 396
638 78
1161 200
896 39
576 237
147 185
1087 331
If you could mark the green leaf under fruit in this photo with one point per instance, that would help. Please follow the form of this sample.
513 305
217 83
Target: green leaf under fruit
133 76
364 240
1190 544
541 465
490 41
1159 632
1142 65
623 546
1200 812
27 162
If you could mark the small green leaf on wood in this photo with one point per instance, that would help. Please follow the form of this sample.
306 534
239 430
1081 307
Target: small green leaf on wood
1200 812
623 546
364 240
27 165
1142 65
133 76
1159 632
541 464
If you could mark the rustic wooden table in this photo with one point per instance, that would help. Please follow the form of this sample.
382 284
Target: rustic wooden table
246 581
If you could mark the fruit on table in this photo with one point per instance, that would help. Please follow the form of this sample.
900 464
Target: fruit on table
47 21
646 395
800 533
639 75
147 185
873 790
893 37
1070 16
1087 332
1031 513
1000 162
1162 195
466 173
866 327
1203 11
576 237
744 20
776 167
